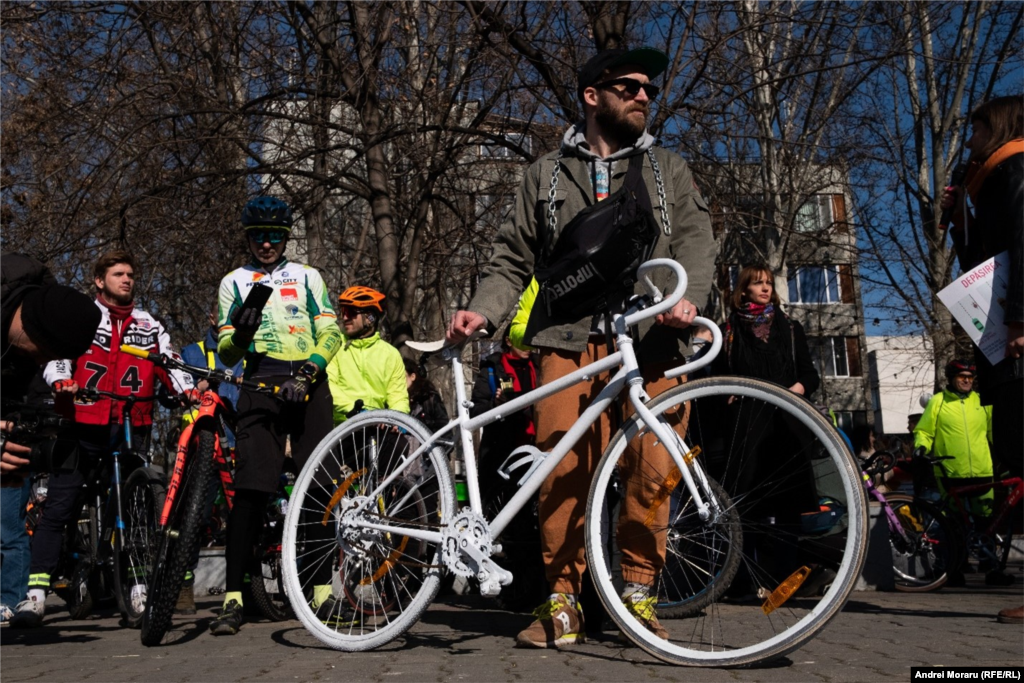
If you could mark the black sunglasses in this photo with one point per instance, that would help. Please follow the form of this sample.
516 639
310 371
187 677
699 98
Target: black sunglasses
632 87
261 236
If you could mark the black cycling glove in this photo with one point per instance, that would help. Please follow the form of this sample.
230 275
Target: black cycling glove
246 322
296 389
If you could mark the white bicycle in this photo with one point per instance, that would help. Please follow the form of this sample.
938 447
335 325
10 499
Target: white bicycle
764 530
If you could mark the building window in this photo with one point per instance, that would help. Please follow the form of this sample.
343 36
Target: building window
734 276
496 150
814 285
851 420
815 215
836 356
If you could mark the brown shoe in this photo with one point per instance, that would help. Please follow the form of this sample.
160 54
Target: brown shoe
641 606
1014 615
558 624
186 600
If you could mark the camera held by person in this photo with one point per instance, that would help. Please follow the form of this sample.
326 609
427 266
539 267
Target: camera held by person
42 321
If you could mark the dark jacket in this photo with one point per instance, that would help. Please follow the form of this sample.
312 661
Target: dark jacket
19 274
998 226
428 407
512 431
785 359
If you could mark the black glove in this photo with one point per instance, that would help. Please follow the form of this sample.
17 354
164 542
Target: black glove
296 389
246 322
920 452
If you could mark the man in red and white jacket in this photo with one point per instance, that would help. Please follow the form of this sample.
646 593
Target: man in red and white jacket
98 423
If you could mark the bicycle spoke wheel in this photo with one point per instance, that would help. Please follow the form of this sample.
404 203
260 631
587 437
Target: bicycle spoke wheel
180 539
778 551
137 542
928 546
701 559
267 579
381 581
81 560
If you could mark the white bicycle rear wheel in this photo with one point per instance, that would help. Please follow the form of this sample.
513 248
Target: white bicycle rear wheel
796 492
382 581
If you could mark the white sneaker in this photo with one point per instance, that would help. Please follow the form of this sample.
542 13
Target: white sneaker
5 615
28 614
138 598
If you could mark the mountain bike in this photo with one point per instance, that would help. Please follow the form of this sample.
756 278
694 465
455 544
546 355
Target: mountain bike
106 552
381 486
925 543
986 542
179 519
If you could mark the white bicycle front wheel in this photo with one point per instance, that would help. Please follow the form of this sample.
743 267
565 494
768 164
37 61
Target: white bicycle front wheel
381 582
765 571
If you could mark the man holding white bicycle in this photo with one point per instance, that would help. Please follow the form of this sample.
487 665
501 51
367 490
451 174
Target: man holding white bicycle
602 157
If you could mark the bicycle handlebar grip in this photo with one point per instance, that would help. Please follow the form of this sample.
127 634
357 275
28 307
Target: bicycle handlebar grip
137 352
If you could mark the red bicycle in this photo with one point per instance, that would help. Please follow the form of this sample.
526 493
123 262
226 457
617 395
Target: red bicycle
988 546
180 518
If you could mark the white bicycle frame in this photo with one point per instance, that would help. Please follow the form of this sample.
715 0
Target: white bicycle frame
628 374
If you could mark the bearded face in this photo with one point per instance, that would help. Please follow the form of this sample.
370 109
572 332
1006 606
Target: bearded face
622 120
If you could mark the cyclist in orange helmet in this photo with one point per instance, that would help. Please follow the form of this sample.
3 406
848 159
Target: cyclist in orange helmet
367 368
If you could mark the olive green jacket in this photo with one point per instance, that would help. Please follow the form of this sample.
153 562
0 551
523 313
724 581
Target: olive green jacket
519 242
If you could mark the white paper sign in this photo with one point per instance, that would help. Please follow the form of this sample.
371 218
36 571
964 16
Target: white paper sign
977 301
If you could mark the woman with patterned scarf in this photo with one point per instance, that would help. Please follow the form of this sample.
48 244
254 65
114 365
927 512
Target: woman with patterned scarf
761 341
995 184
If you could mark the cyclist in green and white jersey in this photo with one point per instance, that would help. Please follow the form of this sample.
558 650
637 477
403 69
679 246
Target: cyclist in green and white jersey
289 344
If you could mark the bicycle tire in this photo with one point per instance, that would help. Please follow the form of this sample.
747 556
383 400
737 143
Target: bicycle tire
694 552
266 578
80 596
988 554
720 415
935 544
137 541
179 542
383 582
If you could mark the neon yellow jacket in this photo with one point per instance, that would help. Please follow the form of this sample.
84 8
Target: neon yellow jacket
368 369
517 329
958 427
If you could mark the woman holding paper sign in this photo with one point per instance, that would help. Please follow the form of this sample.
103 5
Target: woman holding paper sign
995 185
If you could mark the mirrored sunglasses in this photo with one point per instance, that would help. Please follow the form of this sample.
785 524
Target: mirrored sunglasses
632 87
272 236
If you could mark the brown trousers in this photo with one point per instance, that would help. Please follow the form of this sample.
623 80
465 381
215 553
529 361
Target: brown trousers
563 496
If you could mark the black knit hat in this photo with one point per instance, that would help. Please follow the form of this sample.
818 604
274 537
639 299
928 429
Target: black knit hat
60 319
651 62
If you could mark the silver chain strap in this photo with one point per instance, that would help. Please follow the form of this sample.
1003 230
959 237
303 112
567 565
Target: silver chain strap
666 225
552 218
665 222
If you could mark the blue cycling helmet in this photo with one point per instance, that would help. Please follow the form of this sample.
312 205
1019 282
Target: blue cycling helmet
267 212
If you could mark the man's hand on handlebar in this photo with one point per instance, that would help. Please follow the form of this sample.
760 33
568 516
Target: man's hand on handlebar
681 315
463 324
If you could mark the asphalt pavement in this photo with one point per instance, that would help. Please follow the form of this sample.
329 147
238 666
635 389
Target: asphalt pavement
878 637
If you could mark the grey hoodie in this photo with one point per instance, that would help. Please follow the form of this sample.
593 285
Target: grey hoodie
574 142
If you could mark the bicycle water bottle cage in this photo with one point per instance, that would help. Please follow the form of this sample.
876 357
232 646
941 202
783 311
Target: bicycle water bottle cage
531 455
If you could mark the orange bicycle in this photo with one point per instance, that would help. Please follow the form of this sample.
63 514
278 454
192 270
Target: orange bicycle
178 528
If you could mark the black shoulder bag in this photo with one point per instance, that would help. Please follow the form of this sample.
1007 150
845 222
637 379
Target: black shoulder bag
592 266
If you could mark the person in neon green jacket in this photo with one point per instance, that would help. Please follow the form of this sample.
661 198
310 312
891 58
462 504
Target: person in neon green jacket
955 424
366 368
